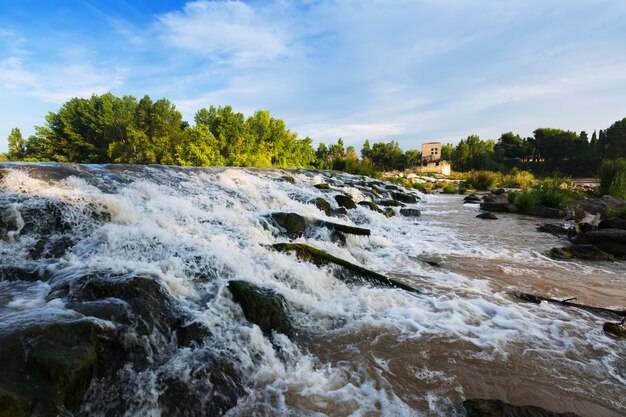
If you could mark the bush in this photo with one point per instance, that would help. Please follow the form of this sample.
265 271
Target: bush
613 178
524 200
462 188
449 189
521 179
483 180
355 167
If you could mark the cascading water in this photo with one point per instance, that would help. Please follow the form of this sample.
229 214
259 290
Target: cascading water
139 260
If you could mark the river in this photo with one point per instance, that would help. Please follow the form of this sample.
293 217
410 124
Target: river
358 350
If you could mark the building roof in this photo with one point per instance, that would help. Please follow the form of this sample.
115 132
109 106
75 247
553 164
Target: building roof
431 143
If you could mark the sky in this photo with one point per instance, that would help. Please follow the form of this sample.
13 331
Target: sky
411 71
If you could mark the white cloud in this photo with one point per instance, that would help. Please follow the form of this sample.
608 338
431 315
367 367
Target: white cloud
229 31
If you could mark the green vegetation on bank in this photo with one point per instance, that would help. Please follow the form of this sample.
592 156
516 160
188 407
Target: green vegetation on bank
111 129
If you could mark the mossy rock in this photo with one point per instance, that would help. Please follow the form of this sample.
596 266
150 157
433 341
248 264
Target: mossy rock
391 203
261 306
371 205
47 366
349 271
293 224
405 197
344 228
345 201
322 186
323 205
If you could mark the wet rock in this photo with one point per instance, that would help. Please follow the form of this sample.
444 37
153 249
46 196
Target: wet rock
555 229
582 251
542 211
497 408
261 306
293 224
487 216
345 201
410 212
323 205
472 199
371 205
613 223
289 179
499 207
344 228
498 191
348 271
405 197
341 211
191 334
615 329
389 212
599 206
54 247
583 227
322 186
390 203
150 305
496 198
23 273
612 241
47 366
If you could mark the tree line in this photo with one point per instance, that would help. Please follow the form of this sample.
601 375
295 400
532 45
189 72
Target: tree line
109 129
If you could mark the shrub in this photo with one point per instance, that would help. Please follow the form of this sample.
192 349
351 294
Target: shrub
521 179
449 189
524 200
483 180
613 178
462 188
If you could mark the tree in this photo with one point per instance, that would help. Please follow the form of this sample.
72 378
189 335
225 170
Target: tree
17 145
614 145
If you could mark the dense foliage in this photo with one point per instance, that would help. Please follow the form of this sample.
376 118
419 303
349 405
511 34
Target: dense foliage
613 178
106 128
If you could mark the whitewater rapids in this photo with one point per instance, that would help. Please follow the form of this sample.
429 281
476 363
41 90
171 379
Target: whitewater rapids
358 350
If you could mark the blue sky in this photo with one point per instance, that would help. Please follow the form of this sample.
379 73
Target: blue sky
411 71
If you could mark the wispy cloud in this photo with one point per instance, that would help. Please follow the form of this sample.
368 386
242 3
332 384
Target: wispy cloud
230 31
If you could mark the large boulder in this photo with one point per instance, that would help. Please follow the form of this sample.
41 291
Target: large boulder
261 306
497 408
587 252
293 224
612 241
323 205
345 201
555 229
46 367
612 223
543 211
405 197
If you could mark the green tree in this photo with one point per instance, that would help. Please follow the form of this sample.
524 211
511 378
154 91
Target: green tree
17 145
614 143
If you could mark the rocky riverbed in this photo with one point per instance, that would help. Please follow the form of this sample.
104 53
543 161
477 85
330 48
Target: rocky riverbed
128 290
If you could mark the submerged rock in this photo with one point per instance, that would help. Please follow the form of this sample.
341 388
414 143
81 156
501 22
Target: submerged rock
587 252
261 306
497 408
390 203
487 216
410 212
615 329
322 186
349 270
555 229
344 228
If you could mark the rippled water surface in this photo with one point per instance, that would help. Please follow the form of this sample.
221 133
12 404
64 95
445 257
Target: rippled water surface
358 350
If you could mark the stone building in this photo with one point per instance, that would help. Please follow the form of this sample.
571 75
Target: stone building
431 159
